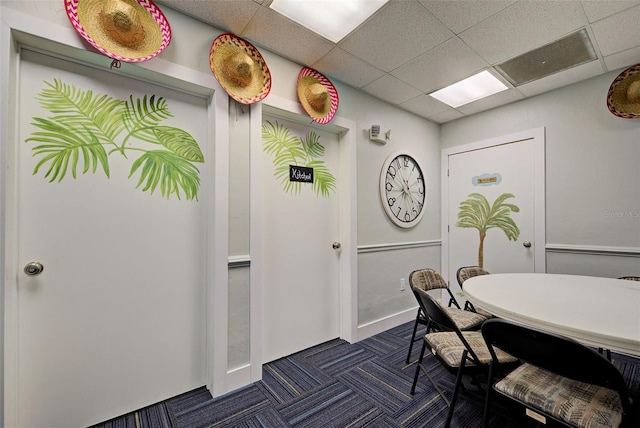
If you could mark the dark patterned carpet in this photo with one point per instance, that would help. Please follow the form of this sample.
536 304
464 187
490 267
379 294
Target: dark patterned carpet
337 384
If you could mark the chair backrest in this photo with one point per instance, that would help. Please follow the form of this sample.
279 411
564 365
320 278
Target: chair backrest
427 279
430 279
561 355
436 314
467 272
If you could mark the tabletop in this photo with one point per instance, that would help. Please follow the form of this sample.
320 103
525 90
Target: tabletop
602 312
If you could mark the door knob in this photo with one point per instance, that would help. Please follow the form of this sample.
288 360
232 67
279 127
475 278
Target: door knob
33 268
336 246
527 244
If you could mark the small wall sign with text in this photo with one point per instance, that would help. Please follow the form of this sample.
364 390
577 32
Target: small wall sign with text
487 179
302 174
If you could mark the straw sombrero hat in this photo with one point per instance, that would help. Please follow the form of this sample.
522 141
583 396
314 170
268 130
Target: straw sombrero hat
125 30
239 68
623 98
317 95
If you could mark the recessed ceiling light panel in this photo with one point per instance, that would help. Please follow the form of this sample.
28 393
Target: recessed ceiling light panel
332 19
471 89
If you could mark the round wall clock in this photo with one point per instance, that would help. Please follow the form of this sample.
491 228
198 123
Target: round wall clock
403 189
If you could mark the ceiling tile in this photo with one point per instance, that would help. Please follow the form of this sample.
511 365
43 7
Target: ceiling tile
286 38
445 64
596 10
425 106
524 26
391 89
623 59
563 78
399 32
347 68
448 12
228 15
618 32
446 116
495 100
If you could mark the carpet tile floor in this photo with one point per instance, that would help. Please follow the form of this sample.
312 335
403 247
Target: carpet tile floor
337 384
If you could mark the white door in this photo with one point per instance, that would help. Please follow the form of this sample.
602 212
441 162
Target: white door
492 212
116 321
301 299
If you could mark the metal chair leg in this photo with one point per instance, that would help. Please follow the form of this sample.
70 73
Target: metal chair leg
415 377
413 337
456 389
487 400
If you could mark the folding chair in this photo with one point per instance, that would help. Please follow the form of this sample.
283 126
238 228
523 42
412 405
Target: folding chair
561 380
462 275
460 352
427 280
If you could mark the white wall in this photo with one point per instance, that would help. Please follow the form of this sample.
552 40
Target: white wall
387 257
592 174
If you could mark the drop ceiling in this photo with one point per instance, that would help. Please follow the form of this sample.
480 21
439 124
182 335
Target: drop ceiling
411 48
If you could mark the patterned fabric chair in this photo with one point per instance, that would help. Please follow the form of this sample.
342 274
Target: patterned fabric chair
561 380
460 352
427 280
462 275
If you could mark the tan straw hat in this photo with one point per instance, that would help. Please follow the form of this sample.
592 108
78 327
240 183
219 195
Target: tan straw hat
239 68
125 30
318 96
623 98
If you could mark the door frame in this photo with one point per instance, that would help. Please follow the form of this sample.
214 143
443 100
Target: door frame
346 130
17 30
538 136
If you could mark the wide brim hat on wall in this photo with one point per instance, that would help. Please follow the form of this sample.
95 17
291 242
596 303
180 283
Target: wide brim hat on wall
125 30
239 68
623 97
318 96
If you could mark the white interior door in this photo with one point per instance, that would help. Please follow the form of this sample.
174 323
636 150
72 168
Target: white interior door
501 175
117 319
301 286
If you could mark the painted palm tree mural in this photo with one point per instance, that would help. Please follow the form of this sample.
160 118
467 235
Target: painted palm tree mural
287 149
85 129
476 213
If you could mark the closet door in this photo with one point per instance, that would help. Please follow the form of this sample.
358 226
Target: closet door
301 290
116 320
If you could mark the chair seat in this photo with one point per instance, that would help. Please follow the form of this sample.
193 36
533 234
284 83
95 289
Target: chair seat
465 320
449 347
576 403
484 313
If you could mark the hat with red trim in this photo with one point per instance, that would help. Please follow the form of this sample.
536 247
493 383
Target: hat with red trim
623 97
318 96
239 68
125 30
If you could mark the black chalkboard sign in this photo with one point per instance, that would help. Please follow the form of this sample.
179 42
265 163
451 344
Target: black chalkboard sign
301 174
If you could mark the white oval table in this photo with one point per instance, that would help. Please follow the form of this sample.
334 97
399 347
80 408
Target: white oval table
601 312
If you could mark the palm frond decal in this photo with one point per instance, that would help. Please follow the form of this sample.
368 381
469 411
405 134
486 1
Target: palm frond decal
476 213
287 149
86 128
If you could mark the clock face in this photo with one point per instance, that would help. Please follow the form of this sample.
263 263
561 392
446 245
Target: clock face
403 190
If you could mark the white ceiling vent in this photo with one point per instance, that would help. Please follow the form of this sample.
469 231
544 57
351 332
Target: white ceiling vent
568 52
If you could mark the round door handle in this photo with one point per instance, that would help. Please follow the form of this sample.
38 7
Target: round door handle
336 246
33 268
527 244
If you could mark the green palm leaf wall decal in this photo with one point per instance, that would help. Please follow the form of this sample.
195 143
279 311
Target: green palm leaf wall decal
287 149
86 128
476 213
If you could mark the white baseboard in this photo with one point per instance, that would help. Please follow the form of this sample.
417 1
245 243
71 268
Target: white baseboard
378 326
